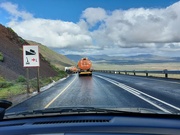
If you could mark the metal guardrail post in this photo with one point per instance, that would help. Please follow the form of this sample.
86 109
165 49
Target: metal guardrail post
134 72
165 72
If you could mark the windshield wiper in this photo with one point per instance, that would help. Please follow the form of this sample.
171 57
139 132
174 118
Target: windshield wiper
65 110
82 110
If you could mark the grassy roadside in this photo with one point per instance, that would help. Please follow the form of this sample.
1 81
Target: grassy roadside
1 57
8 89
9 92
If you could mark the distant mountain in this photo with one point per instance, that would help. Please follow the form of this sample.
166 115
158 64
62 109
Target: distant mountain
98 57
74 58
126 60
141 56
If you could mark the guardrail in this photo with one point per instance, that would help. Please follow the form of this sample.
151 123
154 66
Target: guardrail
146 72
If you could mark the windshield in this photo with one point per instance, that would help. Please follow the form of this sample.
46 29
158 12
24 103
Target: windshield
117 55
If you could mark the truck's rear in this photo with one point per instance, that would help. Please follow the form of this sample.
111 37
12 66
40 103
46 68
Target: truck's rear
85 67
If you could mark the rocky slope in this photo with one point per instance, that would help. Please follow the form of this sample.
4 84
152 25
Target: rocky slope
12 65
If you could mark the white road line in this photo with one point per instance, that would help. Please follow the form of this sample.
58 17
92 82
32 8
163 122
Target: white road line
156 99
140 94
59 94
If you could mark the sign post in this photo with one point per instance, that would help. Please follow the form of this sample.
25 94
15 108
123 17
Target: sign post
31 59
38 87
27 74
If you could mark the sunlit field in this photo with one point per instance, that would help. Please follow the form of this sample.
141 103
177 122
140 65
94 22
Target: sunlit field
142 67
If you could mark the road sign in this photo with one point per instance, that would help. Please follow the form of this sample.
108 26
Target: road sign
31 56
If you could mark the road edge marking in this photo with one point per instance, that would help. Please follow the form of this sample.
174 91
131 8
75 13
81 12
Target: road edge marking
133 91
59 94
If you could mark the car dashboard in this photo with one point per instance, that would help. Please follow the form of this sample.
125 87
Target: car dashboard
92 124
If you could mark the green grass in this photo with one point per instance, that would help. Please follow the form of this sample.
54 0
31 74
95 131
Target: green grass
21 79
1 57
9 89
42 82
46 81
11 30
5 84
2 79
16 89
19 86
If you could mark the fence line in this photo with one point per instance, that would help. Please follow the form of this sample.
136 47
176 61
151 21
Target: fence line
146 72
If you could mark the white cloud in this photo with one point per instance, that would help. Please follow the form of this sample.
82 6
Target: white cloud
94 15
121 31
53 33
15 14
137 27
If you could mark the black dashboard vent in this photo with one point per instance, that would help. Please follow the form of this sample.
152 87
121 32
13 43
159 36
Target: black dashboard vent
8 125
71 121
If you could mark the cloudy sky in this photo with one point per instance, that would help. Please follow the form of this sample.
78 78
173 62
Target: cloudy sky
112 27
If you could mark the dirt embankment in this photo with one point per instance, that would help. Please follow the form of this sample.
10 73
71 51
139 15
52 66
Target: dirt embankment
12 65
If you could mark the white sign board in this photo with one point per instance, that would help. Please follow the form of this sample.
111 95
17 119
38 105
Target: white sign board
31 56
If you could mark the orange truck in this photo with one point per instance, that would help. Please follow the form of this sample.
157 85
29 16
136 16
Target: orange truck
84 67
73 69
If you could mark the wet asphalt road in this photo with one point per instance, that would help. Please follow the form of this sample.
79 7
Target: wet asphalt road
108 90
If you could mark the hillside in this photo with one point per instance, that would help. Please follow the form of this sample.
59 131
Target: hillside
54 58
11 66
